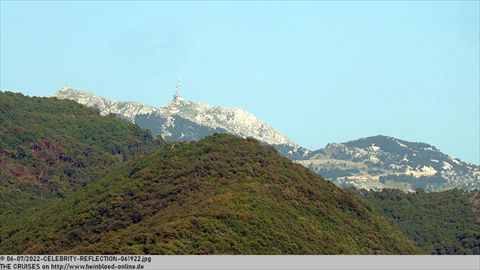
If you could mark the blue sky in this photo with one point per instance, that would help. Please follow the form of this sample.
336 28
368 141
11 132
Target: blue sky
318 72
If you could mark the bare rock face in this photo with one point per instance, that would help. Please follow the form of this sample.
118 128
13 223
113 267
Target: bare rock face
386 162
183 120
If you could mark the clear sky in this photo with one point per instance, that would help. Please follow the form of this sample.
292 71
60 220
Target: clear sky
318 72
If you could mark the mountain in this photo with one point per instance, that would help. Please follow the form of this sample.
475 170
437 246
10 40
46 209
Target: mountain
50 148
373 163
183 120
386 162
446 222
219 195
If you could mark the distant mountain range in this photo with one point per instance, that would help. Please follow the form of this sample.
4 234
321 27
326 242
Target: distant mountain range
75 182
386 162
372 163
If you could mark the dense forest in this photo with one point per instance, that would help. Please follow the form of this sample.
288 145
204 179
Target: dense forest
220 195
445 222
73 181
51 147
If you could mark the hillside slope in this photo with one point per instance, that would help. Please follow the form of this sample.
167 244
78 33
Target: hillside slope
220 195
445 222
51 147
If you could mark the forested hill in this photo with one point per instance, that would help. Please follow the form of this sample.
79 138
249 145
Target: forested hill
220 195
51 147
73 181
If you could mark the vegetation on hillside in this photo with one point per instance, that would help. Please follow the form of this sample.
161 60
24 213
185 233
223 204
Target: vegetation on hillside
220 195
445 222
72 181
51 147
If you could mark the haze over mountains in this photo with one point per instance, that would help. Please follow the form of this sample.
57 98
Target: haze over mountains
373 163
75 182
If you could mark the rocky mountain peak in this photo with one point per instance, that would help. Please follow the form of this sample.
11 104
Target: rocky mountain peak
386 162
187 120
373 162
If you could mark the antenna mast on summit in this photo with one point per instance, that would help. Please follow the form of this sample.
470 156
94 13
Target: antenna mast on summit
177 96
178 87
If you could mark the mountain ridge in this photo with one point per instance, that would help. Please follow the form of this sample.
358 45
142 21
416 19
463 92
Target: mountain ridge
68 186
378 162
374 162
210 119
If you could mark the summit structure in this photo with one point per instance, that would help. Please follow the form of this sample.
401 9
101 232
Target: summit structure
177 97
372 163
185 120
